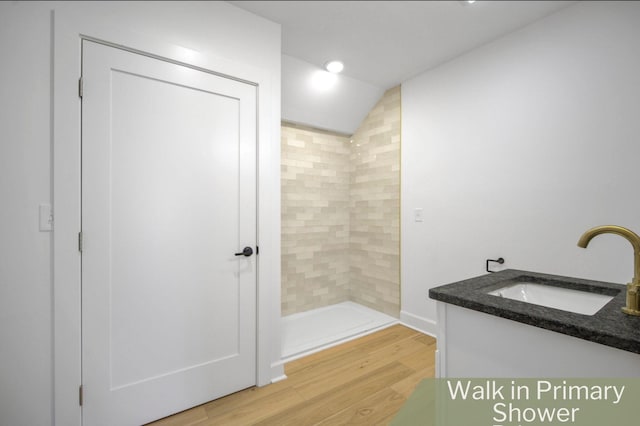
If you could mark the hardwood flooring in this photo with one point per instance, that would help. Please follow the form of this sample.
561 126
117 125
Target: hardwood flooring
364 381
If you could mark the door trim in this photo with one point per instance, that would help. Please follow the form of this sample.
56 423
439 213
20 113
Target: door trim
69 27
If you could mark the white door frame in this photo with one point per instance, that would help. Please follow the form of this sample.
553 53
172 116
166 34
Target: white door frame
69 28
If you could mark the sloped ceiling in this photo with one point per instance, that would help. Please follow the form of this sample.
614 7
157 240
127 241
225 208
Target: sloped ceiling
382 43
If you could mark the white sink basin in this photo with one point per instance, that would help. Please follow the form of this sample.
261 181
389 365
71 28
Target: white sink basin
580 302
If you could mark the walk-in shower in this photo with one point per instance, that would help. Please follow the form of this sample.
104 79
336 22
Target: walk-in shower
340 230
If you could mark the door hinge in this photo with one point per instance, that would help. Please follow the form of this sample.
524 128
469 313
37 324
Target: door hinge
80 241
80 87
80 396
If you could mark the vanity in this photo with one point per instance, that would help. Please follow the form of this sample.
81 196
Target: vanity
490 326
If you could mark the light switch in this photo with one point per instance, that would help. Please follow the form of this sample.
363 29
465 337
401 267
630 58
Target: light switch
46 218
417 215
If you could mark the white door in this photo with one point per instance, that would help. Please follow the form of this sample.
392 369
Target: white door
168 198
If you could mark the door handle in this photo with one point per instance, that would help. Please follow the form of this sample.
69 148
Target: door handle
247 251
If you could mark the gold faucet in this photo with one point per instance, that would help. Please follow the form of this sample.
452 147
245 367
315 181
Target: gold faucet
633 288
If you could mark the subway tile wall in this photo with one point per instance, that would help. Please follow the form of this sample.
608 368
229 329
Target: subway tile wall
315 219
341 213
374 213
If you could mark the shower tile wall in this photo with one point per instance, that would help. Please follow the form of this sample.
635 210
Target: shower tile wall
341 213
315 219
374 245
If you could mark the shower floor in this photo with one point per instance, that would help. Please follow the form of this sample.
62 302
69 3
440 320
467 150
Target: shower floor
311 331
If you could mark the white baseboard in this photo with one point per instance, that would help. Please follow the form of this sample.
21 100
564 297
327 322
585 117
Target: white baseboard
420 324
277 372
279 378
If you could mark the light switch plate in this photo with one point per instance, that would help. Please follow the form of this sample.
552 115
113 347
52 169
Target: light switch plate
46 218
417 215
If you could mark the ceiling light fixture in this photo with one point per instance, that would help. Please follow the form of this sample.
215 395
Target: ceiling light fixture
334 66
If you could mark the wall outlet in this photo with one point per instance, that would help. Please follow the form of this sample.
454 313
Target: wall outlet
418 215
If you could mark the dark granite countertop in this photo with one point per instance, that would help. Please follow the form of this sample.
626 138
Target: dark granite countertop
609 326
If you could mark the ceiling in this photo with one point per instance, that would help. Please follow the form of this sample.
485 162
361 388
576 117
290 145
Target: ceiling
384 43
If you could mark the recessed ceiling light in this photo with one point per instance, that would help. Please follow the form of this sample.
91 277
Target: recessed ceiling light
334 66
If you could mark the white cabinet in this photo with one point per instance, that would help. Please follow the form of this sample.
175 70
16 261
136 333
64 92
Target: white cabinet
476 344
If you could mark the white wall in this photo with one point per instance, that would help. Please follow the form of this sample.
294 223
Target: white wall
518 147
316 98
26 288
25 255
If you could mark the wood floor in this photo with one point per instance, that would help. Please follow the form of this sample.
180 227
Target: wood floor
364 381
